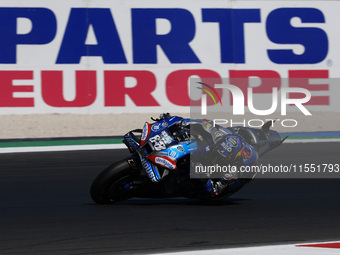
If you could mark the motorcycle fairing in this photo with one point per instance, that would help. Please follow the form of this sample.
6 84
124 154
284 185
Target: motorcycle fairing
177 151
131 141
163 162
146 131
151 170
158 126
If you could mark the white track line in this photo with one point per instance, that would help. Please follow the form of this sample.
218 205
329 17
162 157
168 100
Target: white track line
63 148
316 140
290 249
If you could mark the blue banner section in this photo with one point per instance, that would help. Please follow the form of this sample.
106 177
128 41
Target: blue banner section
175 44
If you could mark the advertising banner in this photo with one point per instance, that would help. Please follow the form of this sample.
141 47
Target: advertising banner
100 57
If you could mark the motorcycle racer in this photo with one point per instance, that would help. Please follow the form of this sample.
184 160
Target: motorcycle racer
215 144
164 154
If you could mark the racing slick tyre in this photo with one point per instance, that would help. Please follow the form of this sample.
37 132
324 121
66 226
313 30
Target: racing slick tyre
112 184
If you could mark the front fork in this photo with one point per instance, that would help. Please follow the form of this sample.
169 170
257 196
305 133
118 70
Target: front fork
134 162
141 176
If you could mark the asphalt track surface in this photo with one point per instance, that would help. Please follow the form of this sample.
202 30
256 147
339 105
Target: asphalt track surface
45 208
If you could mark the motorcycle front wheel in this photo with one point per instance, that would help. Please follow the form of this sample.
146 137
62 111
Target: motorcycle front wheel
112 185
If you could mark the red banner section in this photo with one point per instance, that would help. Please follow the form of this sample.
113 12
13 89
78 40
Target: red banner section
116 91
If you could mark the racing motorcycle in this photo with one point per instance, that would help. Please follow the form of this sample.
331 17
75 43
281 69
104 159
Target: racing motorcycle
159 163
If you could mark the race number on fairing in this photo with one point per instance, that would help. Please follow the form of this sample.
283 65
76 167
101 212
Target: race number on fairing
157 143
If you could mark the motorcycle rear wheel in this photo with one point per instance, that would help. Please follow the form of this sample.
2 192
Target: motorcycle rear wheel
110 185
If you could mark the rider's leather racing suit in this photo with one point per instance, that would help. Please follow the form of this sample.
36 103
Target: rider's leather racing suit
216 144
